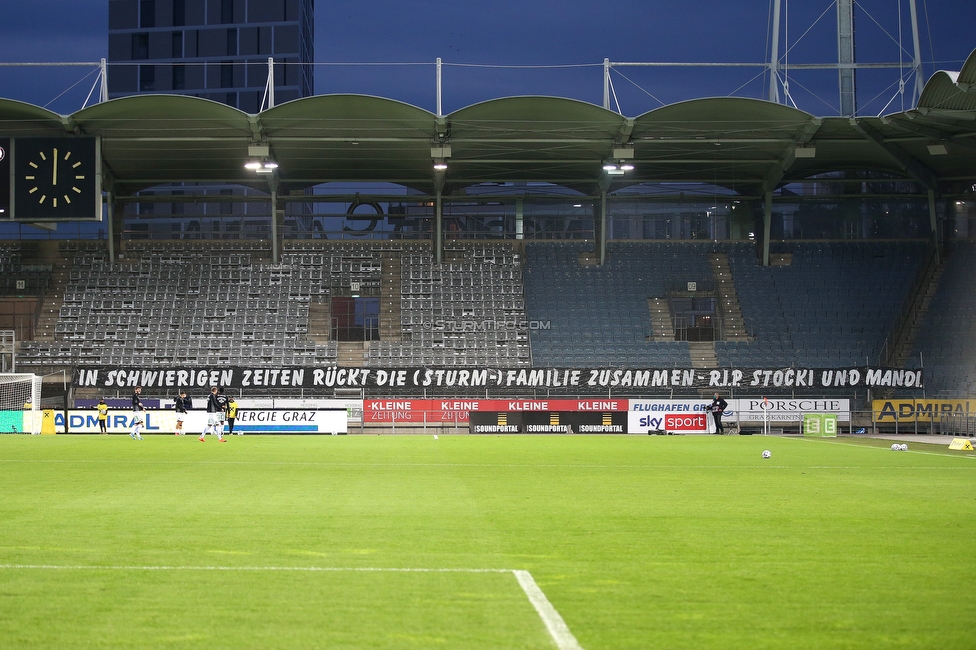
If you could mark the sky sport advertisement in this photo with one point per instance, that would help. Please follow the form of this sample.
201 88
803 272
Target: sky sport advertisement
693 416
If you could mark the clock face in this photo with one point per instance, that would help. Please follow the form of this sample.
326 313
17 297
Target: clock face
56 179
49 184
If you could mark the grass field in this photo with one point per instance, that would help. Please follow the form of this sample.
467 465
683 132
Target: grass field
637 542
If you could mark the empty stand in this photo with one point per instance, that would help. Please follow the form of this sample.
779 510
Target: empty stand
945 345
599 315
467 311
832 305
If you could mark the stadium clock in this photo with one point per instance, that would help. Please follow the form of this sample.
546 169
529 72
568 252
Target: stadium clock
56 179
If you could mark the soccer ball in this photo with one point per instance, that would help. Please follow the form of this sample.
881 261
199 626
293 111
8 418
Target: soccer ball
904 447
896 447
767 453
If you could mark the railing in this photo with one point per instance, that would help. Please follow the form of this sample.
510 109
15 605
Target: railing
908 314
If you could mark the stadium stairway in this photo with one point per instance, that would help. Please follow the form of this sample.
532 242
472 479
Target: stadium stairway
730 311
702 354
320 320
390 300
662 327
53 298
352 353
903 346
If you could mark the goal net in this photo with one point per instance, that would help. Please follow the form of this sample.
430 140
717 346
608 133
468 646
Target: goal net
20 403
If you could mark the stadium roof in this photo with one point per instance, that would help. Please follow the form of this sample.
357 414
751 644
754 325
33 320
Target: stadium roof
745 144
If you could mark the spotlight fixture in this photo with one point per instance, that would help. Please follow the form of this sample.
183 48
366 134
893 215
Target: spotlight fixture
259 167
617 168
440 165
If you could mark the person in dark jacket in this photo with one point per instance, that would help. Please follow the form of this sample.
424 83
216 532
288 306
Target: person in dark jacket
717 407
182 405
137 415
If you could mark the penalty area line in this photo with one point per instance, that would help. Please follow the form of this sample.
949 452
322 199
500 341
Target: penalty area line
553 622
557 627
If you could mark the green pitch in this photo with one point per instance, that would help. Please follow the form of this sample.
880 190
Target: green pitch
637 542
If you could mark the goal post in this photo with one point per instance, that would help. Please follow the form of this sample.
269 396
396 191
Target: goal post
20 403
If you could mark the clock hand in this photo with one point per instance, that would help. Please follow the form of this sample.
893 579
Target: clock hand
54 164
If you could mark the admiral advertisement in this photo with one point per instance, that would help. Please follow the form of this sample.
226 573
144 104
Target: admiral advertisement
448 380
923 410
248 421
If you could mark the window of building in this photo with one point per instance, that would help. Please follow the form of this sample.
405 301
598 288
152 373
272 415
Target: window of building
140 46
226 11
179 13
147 14
147 78
227 75
179 77
232 42
177 45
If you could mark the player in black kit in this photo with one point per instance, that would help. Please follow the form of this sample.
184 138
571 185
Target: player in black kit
136 414
214 417
182 405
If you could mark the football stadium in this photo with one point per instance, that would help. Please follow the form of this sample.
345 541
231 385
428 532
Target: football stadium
532 373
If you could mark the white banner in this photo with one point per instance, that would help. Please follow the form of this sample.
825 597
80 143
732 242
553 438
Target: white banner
751 412
248 421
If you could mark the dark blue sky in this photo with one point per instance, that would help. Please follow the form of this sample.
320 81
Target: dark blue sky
531 32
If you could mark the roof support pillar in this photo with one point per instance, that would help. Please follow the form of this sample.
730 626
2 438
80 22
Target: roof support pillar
519 218
103 81
845 57
438 227
600 229
774 55
275 251
917 55
934 225
114 227
767 224
440 92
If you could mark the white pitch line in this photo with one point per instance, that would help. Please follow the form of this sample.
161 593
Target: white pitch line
96 567
557 627
554 623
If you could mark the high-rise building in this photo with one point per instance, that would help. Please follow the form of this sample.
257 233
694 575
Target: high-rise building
216 49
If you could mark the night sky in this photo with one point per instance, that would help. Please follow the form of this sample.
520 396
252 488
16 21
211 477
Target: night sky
531 32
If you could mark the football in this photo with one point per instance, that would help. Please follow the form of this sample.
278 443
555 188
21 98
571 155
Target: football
767 453
896 447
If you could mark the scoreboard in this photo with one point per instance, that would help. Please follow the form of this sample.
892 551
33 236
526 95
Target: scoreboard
50 178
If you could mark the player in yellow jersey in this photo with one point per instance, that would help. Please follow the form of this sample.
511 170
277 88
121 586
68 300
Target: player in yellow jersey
231 416
102 415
